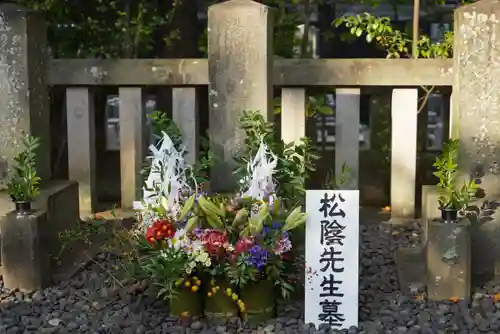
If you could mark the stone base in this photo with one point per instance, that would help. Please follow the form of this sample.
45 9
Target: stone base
25 259
448 260
410 263
58 201
400 221
485 241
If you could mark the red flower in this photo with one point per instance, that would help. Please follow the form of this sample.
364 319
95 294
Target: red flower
151 236
214 240
160 230
243 245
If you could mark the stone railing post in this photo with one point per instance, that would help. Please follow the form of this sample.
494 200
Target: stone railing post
240 60
403 154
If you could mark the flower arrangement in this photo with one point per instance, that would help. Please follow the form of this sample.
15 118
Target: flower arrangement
234 249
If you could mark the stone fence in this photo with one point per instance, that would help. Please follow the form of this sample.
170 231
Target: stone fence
240 72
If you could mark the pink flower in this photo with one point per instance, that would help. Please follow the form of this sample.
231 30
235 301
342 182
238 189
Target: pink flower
243 245
214 241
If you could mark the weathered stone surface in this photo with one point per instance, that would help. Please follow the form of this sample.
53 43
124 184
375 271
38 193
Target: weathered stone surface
475 120
403 154
410 263
24 105
448 260
81 145
59 199
430 207
347 134
485 240
240 48
287 72
476 92
23 242
133 141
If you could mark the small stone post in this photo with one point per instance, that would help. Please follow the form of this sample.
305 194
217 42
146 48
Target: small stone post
476 120
240 64
24 251
448 260
24 99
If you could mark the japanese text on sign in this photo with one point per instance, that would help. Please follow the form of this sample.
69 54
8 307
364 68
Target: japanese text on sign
332 241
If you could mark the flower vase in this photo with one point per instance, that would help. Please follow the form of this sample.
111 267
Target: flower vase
259 298
219 300
187 302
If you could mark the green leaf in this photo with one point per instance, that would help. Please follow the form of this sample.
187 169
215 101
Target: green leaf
191 223
188 205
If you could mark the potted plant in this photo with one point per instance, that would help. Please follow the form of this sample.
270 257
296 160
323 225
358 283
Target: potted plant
448 245
23 185
452 197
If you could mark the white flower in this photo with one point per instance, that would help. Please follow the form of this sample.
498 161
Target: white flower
259 182
203 258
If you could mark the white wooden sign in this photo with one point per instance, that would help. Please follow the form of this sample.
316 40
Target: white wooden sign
332 248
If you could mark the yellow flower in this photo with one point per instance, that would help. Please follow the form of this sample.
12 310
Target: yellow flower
194 278
209 294
187 284
212 282
234 296
229 291
214 290
194 288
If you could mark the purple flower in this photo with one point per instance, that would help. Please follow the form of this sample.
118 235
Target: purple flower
258 257
275 226
198 232
283 245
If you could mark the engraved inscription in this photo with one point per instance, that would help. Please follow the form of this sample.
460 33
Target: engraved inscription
479 94
12 95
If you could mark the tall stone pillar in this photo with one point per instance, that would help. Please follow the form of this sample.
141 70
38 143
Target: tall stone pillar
240 65
476 120
24 99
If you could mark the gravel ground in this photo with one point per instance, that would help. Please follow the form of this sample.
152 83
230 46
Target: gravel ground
93 302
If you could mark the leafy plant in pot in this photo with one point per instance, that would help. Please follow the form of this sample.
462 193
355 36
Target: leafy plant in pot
452 197
23 185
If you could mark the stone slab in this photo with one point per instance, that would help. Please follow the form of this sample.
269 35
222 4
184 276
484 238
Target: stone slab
485 240
410 263
448 259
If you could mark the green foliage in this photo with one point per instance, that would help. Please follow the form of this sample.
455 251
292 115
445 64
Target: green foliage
296 161
23 185
166 270
331 182
314 105
241 272
396 43
103 28
451 196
